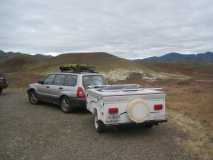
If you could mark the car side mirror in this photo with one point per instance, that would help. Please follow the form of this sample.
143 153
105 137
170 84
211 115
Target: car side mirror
41 82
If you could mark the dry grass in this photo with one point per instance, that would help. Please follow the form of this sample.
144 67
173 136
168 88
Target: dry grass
192 98
198 70
22 79
198 141
191 109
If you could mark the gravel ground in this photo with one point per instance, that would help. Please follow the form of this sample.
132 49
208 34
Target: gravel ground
43 132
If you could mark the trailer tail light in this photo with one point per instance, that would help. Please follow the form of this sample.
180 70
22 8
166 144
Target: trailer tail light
113 110
80 93
158 107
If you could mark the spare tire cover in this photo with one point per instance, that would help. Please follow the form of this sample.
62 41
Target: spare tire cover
138 110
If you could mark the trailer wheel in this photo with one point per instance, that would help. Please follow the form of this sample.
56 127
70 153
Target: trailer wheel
149 126
99 126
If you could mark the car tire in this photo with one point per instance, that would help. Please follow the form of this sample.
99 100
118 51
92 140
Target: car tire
33 98
65 105
1 91
99 126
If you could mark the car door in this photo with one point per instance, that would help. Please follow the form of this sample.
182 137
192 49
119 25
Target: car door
58 85
44 90
64 84
70 85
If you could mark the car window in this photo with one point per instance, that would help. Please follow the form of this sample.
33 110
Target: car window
49 79
59 79
92 80
70 80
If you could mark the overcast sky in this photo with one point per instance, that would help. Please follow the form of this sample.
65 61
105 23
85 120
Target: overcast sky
127 28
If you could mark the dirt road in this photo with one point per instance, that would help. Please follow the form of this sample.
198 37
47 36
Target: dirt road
43 132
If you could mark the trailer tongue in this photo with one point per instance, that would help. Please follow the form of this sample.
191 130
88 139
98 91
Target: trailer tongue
122 104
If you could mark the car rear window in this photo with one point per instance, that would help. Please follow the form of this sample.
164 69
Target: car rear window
93 80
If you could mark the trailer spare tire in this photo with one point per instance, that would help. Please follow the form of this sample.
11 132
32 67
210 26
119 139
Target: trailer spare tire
138 110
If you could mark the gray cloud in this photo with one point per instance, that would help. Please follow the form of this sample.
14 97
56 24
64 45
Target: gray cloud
131 29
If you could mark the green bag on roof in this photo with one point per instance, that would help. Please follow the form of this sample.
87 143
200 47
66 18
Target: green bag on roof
77 68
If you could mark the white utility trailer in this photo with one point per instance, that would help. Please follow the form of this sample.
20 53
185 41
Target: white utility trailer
114 105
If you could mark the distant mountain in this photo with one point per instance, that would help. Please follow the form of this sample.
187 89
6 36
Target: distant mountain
7 55
15 61
23 69
4 55
25 62
178 57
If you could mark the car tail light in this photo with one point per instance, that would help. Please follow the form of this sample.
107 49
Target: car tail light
158 107
113 110
80 93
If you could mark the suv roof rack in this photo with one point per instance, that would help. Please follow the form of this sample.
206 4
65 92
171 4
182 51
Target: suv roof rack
77 68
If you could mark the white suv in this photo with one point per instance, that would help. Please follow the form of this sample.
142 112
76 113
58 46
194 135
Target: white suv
64 89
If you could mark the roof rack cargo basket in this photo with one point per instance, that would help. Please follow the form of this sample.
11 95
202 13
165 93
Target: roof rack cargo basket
77 68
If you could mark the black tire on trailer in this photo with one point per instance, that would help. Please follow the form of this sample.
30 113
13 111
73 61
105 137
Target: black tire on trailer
149 125
99 125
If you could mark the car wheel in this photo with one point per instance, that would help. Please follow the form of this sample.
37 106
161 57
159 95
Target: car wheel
1 91
99 126
65 105
33 97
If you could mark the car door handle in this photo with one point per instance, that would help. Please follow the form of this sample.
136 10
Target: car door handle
47 86
60 88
